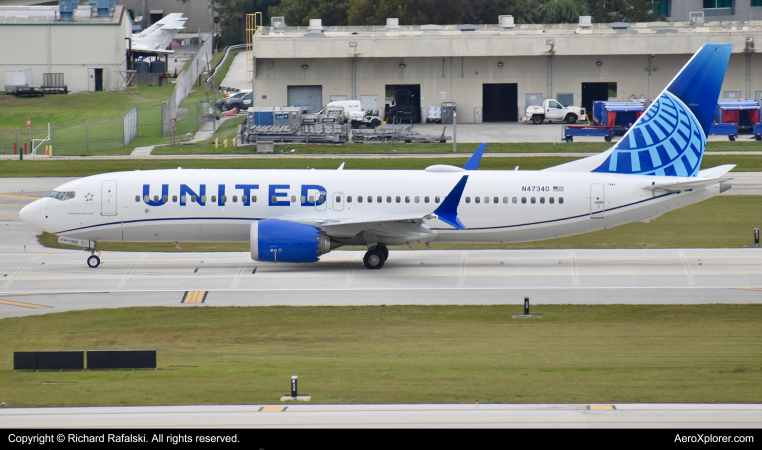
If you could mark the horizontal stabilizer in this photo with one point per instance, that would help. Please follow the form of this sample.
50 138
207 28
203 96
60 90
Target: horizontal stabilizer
686 185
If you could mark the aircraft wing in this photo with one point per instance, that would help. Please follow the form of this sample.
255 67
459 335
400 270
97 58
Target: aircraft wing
153 51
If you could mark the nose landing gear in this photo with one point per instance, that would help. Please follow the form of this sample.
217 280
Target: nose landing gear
93 261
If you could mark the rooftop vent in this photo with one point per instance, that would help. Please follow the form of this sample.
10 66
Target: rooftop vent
620 25
585 21
392 23
278 23
103 7
506 22
467 28
66 8
316 25
431 29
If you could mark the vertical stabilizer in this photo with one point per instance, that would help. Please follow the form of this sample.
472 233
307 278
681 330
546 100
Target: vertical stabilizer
670 137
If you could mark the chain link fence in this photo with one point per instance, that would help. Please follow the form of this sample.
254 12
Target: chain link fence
106 137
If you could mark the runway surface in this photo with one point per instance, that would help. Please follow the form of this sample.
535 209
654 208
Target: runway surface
45 282
285 415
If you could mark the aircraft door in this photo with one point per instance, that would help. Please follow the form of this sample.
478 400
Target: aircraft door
321 202
108 198
338 201
597 205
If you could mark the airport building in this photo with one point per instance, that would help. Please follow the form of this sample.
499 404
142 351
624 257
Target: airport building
89 47
492 72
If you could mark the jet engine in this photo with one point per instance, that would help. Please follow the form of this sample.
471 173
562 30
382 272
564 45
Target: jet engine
283 241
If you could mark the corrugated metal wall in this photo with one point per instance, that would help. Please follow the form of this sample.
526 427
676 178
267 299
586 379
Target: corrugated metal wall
73 50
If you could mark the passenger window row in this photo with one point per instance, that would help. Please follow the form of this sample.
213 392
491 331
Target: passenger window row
397 199
360 199
184 198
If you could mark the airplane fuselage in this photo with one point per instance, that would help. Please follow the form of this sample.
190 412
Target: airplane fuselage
205 205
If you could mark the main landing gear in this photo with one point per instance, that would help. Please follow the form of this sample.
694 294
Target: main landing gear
93 261
376 257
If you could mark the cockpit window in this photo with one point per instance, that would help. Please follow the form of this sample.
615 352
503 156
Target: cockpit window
60 195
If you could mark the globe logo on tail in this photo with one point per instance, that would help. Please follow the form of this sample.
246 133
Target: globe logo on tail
666 141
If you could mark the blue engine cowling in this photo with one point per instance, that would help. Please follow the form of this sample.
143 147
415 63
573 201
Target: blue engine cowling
282 241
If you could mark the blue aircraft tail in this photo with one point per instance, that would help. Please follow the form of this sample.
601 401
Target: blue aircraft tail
670 137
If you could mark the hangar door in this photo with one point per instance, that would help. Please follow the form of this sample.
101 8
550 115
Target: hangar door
500 102
311 96
592 92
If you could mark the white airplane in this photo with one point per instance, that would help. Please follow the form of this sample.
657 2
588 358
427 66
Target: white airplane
157 37
297 215
171 17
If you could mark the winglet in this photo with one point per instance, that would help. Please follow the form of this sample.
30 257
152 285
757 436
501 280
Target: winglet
476 158
447 212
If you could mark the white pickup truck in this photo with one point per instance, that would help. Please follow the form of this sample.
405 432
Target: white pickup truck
553 111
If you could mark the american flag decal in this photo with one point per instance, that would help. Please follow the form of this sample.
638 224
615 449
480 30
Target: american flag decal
558 188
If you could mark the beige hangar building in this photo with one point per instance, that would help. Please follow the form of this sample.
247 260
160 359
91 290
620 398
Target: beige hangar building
492 72
88 49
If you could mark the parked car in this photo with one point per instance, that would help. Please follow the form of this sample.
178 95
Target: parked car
553 111
241 100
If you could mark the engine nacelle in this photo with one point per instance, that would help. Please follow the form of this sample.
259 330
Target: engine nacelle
283 241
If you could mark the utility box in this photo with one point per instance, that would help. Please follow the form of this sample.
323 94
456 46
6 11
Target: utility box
448 109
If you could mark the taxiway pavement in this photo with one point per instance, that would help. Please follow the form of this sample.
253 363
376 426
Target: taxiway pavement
628 415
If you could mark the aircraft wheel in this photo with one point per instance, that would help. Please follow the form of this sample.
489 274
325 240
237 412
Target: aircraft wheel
374 259
93 261
384 251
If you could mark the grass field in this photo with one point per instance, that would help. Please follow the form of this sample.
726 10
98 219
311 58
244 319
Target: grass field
70 168
397 354
726 221
402 148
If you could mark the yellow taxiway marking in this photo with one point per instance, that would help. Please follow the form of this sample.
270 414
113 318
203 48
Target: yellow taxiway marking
750 289
601 407
25 305
194 296
273 408
19 196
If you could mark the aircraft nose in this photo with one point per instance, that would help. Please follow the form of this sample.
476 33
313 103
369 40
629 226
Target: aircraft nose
31 214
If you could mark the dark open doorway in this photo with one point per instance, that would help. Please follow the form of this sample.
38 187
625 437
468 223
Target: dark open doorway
403 103
592 92
500 102
98 80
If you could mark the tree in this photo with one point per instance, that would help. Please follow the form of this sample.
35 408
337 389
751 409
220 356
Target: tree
604 11
232 14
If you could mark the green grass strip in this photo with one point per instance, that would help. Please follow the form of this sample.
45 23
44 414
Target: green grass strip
81 168
398 354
